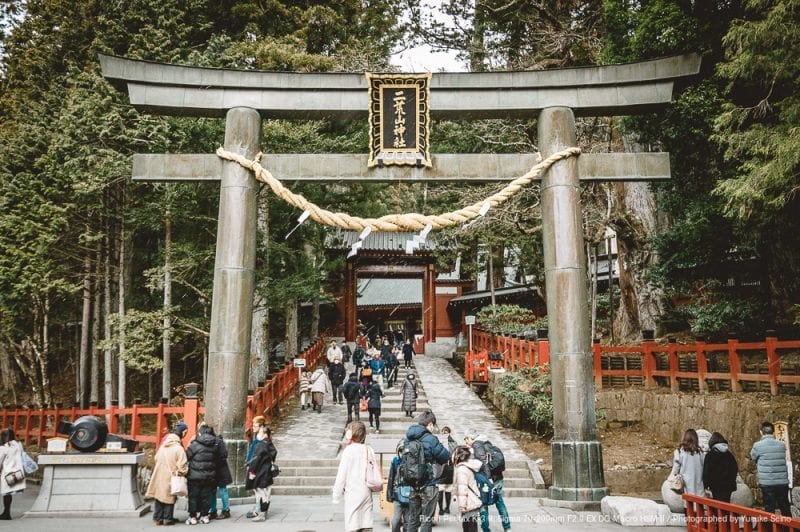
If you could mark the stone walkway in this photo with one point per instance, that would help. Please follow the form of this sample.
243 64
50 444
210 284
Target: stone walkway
305 434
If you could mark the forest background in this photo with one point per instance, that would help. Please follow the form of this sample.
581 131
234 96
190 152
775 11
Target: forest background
105 284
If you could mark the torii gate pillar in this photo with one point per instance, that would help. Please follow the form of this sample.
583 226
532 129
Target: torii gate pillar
577 454
234 280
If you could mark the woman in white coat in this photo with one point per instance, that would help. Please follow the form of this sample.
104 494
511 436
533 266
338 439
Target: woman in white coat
320 387
688 461
351 481
10 467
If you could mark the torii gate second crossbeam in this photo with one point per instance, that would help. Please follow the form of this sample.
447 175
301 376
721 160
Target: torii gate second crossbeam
554 96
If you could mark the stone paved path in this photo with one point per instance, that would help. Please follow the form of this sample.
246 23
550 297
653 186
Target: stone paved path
305 434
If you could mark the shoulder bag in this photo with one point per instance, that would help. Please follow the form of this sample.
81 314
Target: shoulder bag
373 473
178 486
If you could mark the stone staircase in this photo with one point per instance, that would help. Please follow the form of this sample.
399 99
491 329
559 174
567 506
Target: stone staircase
316 476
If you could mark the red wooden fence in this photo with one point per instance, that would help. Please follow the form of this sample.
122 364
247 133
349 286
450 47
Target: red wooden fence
148 424
708 515
733 365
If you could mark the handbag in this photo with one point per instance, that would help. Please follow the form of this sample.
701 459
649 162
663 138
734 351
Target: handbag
178 486
28 465
373 473
363 404
676 483
401 494
14 477
274 470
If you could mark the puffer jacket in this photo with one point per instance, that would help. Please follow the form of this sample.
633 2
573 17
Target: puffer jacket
203 457
435 452
374 396
769 454
467 491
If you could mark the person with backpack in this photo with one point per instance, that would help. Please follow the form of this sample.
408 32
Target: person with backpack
224 478
467 491
352 392
422 449
396 492
203 457
493 466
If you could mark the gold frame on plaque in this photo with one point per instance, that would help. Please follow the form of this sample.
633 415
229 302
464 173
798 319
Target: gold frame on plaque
382 151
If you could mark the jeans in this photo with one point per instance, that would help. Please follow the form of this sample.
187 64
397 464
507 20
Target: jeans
501 508
338 395
223 495
421 505
397 516
162 512
776 496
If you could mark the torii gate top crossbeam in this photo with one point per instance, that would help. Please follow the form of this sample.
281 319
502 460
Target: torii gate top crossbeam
589 91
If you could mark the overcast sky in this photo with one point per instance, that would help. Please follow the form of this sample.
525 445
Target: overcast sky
422 58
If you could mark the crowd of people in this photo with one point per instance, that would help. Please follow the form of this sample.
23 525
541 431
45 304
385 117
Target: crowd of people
448 472
203 463
697 468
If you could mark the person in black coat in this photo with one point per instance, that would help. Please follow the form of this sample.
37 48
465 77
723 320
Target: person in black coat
224 478
720 469
203 457
408 353
336 374
374 394
260 472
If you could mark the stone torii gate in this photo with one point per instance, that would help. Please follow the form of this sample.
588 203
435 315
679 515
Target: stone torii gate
244 98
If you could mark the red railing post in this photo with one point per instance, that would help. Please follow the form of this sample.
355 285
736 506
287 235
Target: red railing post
735 363
113 417
648 357
773 361
511 365
162 426
191 416
702 365
42 425
136 422
597 360
672 353
544 351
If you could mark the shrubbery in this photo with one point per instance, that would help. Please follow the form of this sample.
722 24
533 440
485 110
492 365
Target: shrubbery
529 389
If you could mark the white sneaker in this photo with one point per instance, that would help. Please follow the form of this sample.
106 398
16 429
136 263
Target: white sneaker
205 520
191 521
260 517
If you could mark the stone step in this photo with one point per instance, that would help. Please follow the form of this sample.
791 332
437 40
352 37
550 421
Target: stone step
302 490
305 481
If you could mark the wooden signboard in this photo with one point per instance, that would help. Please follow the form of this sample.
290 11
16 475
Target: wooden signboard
399 119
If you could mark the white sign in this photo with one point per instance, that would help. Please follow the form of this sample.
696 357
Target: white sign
299 362
469 320
57 445
447 290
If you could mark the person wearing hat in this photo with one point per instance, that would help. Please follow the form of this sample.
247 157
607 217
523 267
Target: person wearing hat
170 460
408 391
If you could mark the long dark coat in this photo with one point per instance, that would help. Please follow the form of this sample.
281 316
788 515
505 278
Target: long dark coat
264 456
409 393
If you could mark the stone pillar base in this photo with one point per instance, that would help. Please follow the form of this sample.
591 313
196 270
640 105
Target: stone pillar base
577 471
237 452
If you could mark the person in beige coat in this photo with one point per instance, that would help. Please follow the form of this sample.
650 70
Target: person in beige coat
467 491
10 462
351 481
170 460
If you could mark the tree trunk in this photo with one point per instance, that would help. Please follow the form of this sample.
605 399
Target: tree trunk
259 335
641 303
122 271
166 387
314 330
108 368
98 300
86 321
43 355
291 328
477 52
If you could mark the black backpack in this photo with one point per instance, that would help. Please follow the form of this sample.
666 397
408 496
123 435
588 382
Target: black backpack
495 460
413 471
350 391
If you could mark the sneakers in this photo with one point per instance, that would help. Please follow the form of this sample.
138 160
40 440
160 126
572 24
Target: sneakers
224 514
205 520
191 521
212 515
260 517
251 515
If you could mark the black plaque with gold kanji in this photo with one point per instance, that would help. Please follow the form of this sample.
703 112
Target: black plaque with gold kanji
399 116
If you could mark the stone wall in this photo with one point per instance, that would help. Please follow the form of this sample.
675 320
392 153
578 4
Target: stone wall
737 416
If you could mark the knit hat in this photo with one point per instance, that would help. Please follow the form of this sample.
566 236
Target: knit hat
180 426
